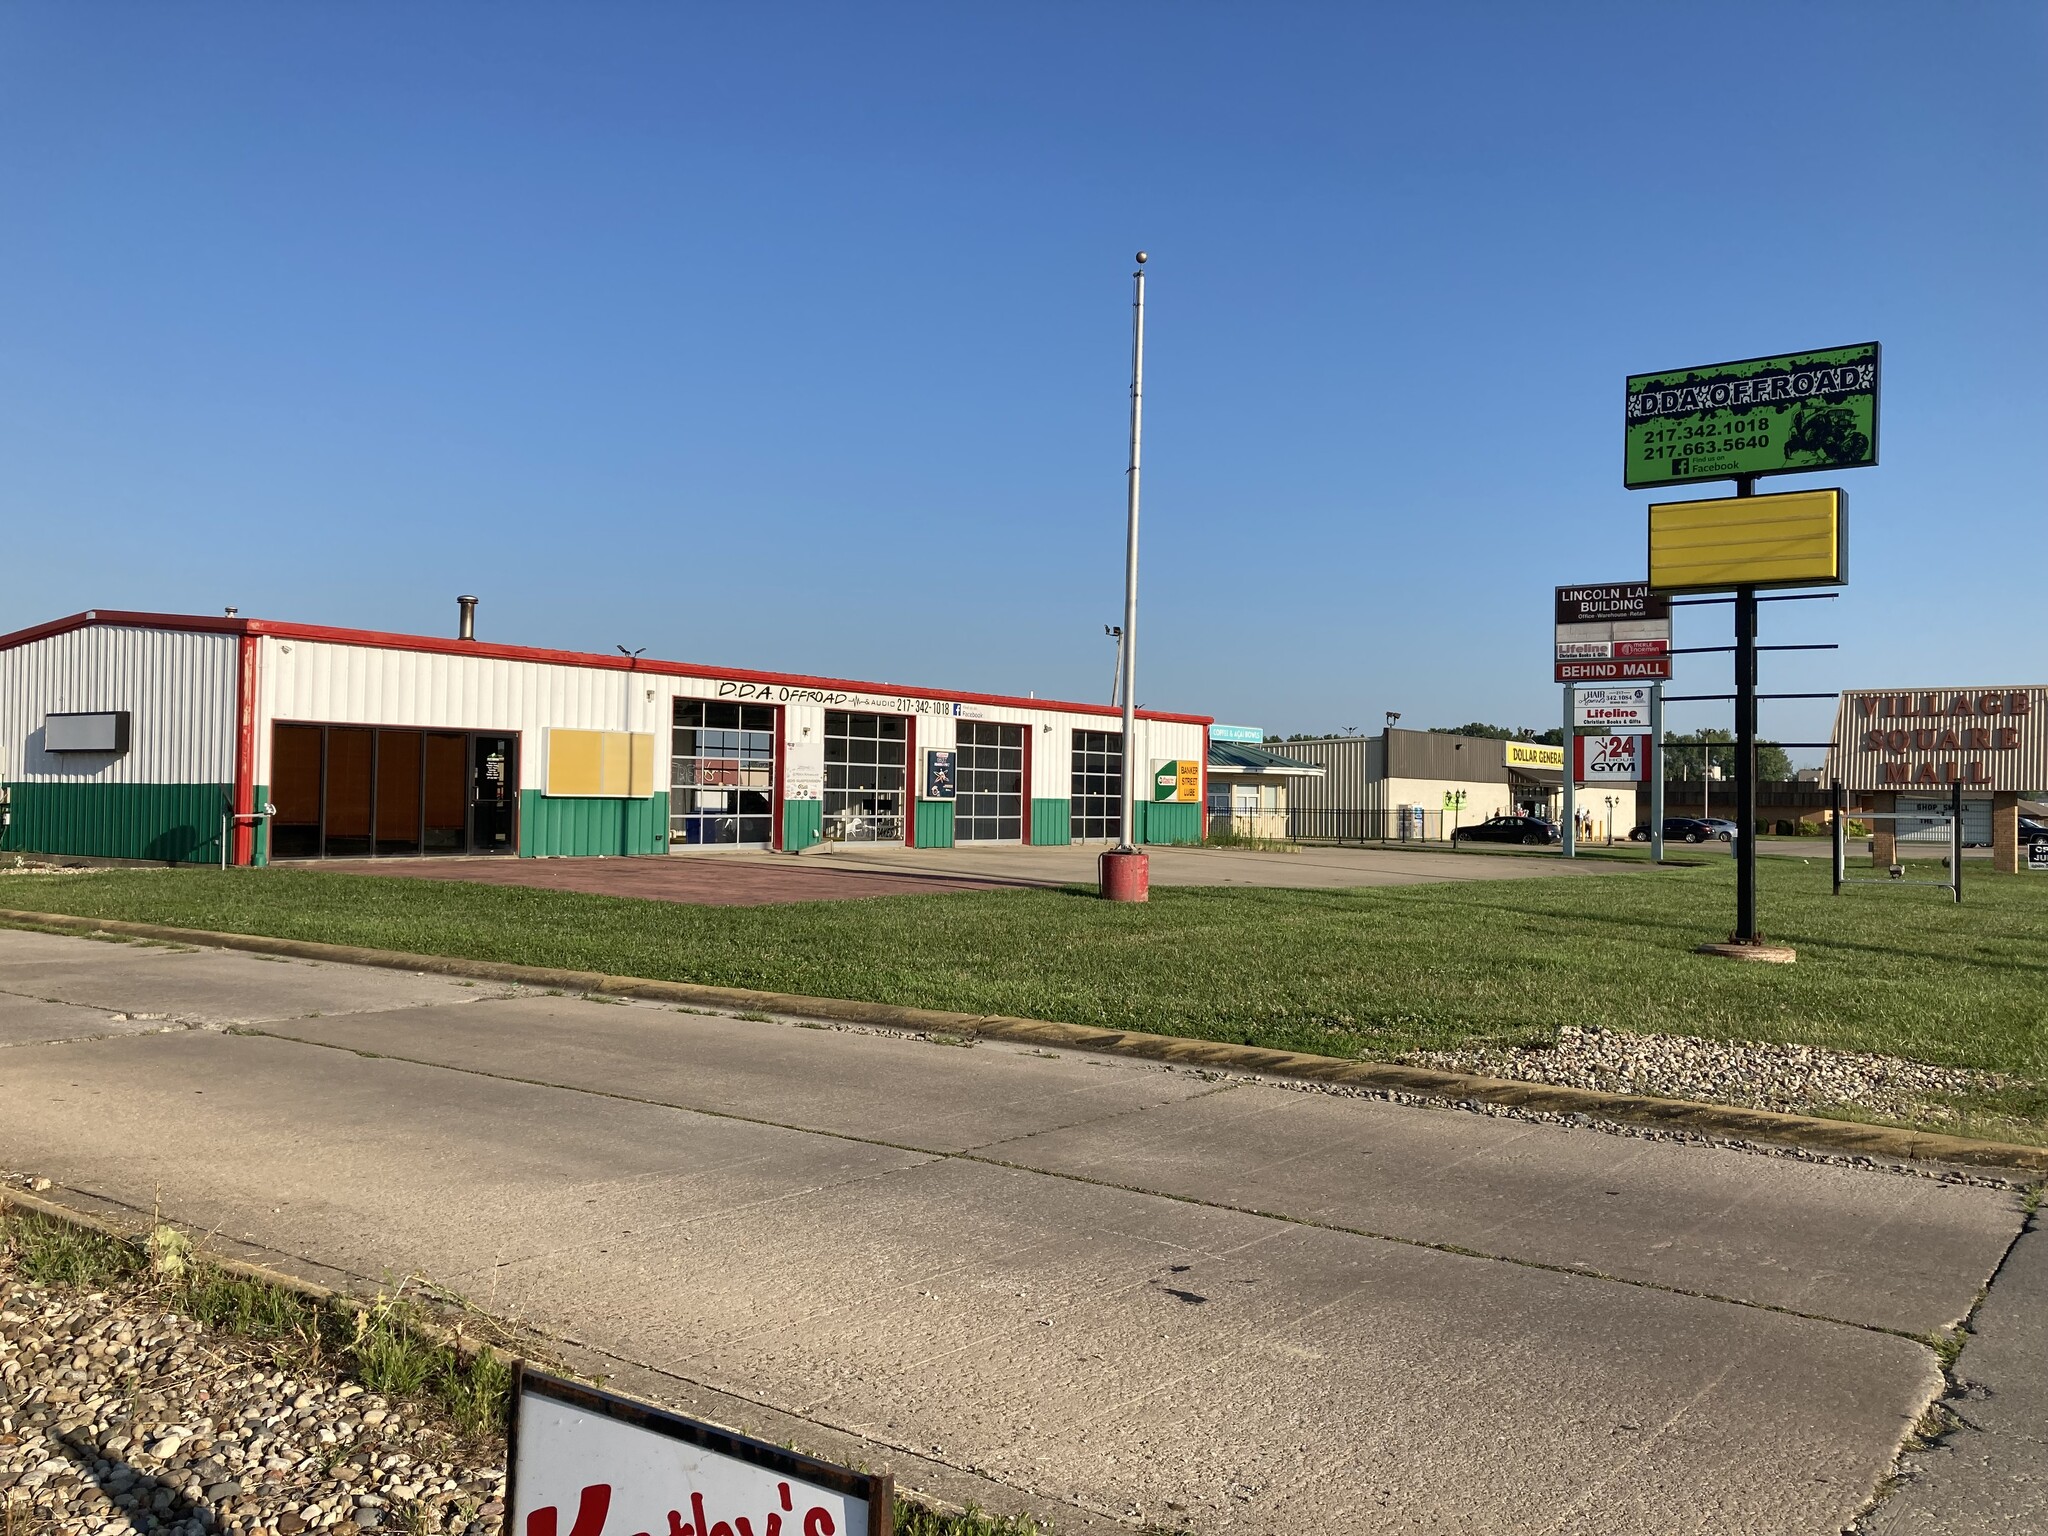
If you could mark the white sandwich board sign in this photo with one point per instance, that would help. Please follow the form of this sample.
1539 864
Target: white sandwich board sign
582 1462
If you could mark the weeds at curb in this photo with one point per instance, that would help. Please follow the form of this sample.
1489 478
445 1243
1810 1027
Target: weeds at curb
388 1346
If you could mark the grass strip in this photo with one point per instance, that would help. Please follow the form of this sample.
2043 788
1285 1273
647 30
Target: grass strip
1372 973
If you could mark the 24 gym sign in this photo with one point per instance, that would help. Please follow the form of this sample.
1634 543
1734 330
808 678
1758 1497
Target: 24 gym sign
1982 738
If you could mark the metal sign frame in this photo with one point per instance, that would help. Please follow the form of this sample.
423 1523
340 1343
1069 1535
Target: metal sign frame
1896 875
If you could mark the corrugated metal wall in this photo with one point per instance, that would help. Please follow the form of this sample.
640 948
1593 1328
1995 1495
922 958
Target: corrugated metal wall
362 685
179 691
1354 771
1907 739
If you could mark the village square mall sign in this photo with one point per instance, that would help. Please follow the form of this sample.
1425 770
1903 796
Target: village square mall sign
1993 739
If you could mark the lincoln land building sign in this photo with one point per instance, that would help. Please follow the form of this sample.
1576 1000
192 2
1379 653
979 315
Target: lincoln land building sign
1991 741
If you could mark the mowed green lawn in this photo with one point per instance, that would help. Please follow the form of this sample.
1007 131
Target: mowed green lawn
1897 969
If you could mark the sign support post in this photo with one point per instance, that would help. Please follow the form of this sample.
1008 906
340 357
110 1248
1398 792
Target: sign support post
1745 752
1656 773
1568 834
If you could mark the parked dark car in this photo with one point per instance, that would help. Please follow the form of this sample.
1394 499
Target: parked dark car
1687 829
2033 830
1531 830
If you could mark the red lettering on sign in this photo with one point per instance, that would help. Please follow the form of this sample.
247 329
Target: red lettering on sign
817 1520
591 1508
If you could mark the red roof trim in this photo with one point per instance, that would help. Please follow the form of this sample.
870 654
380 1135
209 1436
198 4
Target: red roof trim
436 645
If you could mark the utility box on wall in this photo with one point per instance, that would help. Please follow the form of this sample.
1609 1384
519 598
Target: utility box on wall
106 731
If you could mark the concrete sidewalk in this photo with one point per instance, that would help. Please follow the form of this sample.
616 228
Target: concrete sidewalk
1131 1293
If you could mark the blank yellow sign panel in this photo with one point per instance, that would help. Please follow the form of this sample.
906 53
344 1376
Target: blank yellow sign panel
607 764
1791 539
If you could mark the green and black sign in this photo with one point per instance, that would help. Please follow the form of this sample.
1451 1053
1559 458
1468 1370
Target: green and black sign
1786 415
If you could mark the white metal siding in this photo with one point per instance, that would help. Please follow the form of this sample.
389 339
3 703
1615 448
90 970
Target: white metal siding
178 688
318 680
365 685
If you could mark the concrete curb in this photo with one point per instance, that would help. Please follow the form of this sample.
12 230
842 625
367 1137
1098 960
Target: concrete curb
1838 1136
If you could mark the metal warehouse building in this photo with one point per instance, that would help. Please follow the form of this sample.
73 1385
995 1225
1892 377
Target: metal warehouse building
1418 784
165 737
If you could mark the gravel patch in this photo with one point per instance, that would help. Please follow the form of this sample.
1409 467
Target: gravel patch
1794 1079
119 1416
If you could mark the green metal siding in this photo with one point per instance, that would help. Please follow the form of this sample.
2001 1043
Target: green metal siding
1051 822
1171 823
803 823
259 850
552 827
934 824
170 823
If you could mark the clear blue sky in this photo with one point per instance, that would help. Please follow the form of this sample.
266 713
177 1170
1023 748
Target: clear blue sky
796 336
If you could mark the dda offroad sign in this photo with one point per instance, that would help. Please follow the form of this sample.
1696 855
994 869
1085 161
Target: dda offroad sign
1792 414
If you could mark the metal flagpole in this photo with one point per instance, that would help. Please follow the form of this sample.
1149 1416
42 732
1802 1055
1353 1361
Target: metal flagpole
1132 766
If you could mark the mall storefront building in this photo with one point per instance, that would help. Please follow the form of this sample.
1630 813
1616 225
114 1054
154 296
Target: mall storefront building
175 738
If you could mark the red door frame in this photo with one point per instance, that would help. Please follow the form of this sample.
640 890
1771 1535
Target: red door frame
779 776
243 849
1024 789
910 781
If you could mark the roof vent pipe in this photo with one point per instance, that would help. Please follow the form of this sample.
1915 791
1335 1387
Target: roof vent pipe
465 629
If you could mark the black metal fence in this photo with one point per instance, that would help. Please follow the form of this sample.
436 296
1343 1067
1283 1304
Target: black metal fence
1401 824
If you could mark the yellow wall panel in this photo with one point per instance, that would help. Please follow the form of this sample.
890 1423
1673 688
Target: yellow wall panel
642 780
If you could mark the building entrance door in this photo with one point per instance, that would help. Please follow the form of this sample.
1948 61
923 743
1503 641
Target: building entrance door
494 795
989 804
864 776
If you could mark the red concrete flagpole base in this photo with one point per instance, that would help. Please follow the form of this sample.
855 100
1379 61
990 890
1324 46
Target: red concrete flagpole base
1125 876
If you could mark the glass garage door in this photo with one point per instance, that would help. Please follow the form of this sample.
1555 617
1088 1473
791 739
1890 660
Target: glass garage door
1098 789
989 807
864 776
721 775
